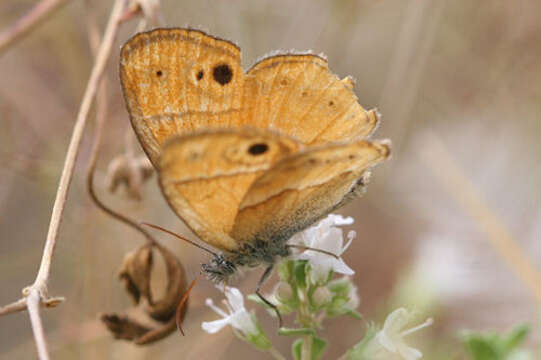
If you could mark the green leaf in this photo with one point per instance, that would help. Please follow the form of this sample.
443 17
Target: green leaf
354 314
357 352
481 349
296 349
515 337
295 331
491 346
286 269
318 346
300 273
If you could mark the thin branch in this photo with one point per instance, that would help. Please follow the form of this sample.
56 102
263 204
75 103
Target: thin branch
445 168
40 282
33 303
28 22
36 294
14 307
73 149
130 147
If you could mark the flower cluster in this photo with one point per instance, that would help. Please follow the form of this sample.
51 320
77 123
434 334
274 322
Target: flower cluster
308 288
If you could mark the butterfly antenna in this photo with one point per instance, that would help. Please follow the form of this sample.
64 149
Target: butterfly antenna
302 247
181 305
180 237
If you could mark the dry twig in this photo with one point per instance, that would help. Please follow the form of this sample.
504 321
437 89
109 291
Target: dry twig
100 121
36 294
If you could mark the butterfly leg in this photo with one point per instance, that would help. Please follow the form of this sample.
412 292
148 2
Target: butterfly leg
260 283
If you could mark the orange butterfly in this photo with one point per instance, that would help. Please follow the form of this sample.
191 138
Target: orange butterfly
246 159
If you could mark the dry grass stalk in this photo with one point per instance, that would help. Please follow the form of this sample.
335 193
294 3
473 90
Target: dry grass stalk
28 22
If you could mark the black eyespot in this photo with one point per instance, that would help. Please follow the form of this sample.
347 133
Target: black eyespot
193 156
200 74
258 149
159 73
222 74
331 103
351 156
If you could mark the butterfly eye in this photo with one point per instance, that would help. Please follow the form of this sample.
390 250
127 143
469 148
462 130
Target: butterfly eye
159 73
258 149
200 74
222 74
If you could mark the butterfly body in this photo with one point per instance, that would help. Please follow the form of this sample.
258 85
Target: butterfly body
246 159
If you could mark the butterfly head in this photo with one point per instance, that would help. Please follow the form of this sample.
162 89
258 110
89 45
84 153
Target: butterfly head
219 269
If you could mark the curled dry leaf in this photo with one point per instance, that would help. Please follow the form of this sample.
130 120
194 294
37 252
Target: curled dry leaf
158 315
135 273
124 327
131 172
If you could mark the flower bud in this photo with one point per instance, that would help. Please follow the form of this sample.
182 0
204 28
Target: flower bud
321 296
284 292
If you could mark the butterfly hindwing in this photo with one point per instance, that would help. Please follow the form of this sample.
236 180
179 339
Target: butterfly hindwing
205 175
302 188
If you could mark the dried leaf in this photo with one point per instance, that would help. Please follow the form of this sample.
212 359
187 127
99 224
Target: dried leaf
132 172
135 273
164 309
136 276
124 327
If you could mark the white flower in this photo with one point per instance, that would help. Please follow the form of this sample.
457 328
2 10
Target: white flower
238 317
389 342
326 236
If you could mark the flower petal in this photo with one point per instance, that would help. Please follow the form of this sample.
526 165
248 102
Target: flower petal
385 341
244 322
339 266
409 353
213 327
396 321
234 298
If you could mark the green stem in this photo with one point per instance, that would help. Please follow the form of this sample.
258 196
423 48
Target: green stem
306 351
276 354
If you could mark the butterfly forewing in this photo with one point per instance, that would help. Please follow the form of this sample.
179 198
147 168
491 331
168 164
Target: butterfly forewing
167 74
298 95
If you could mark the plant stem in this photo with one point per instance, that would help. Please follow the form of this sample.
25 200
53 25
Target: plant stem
33 303
306 351
73 149
36 294
276 354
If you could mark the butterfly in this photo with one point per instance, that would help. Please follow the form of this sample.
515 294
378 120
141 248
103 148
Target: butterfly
246 159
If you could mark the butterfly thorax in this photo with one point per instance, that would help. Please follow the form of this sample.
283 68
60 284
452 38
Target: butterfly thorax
252 254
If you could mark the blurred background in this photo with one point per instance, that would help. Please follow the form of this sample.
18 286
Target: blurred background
442 230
